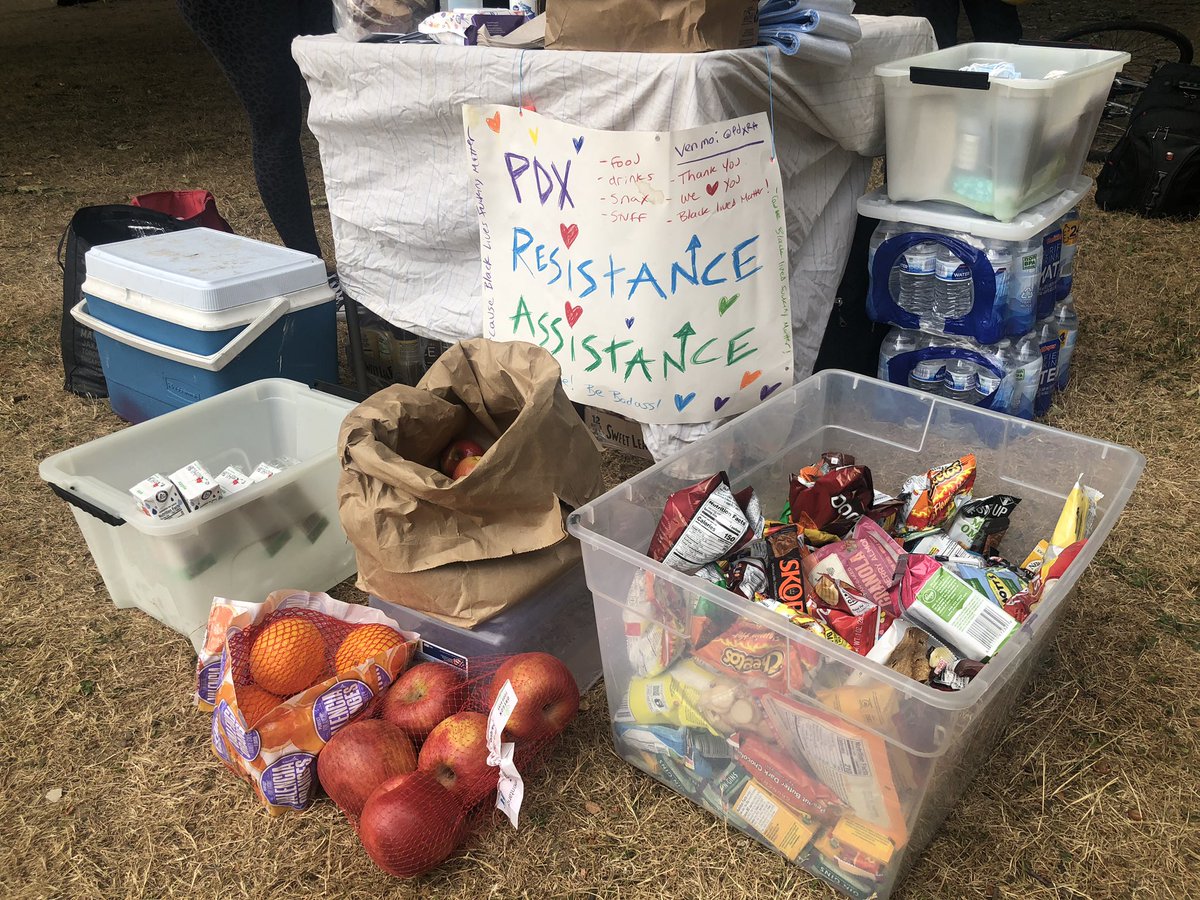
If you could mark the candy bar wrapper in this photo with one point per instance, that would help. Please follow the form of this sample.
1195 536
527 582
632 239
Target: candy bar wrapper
158 498
981 524
857 848
948 670
933 498
848 760
788 780
785 573
196 486
940 602
1076 521
700 524
834 501
783 828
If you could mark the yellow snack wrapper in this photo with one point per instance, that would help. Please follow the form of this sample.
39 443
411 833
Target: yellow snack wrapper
787 831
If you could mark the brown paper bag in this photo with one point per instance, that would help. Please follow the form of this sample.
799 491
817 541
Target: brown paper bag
651 26
466 550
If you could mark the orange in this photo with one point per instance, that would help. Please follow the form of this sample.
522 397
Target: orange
254 703
287 656
364 642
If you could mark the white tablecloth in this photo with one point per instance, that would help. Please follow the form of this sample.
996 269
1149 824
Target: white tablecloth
388 122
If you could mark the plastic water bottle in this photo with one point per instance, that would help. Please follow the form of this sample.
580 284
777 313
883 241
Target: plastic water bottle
1051 260
1070 244
954 292
1068 332
999 254
899 340
1001 355
885 231
1046 335
926 376
1024 283
1027 373
915 287
959 381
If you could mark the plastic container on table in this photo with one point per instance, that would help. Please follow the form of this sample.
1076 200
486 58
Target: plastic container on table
996 145
922 756
282 532
183 316
558 619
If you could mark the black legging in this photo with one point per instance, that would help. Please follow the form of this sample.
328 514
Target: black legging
251 40
991 20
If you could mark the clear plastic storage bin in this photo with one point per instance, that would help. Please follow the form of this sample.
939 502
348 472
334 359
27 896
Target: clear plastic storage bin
558 619
995 145
280 533
895 751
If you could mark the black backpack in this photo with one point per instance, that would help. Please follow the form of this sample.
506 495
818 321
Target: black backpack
1154 170
89 227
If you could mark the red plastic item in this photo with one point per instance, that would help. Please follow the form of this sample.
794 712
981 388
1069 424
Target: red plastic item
198 207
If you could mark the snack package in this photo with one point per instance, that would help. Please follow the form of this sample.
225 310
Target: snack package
1076 521
932 498
785 829
948 671
834 501
981 524
873 704
861 568
690 696
938 543
856 849
653 620
281 677
700 524
158 498
695 750
830 460
749 651
196 486
998 583
849 761
940 602
787 780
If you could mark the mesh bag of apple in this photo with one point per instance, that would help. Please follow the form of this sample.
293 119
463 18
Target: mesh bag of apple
439 753
282 677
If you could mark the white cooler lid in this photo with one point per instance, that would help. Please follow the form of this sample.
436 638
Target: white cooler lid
203 269
952 217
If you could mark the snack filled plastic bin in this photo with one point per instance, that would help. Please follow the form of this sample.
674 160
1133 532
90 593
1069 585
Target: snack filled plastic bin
847 772
281 531
998 139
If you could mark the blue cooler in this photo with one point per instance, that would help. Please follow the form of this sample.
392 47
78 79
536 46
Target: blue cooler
183 316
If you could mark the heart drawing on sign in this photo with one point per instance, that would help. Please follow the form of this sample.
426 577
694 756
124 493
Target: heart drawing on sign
569 233
578 142
768 390
681 402
718 402
533 135
712 188
749 377
629 322
725 302
494 122
573 313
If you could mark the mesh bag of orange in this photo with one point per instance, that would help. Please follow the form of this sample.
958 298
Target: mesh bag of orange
281 678
442 754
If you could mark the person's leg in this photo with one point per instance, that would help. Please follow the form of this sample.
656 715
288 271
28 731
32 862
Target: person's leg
993 21
943 16
251 40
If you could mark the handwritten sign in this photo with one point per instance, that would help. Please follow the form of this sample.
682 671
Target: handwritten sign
653 265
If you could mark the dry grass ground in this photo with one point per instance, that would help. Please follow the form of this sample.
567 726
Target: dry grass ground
1093 792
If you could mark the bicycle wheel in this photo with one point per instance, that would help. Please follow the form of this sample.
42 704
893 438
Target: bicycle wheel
1148 44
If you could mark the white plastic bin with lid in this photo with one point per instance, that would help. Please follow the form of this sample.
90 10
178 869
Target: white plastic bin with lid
995 145
186 315
280 533
906 741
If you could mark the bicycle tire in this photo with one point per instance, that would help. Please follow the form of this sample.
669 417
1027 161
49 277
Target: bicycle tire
1115 120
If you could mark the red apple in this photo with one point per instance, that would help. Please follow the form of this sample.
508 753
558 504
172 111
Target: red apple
547 696
422 697
361 757
456 753
466 466
411 824
457 452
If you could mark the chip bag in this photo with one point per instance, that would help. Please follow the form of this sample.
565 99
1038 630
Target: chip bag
282 677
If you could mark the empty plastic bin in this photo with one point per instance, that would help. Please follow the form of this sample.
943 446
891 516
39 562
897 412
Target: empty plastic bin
995 145
557 619
183 316
895 751
279 533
